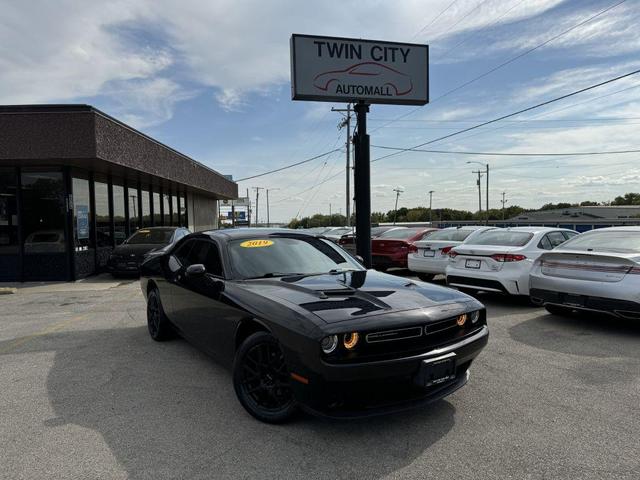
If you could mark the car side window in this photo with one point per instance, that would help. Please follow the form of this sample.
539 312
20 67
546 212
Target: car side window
545 243
569 235
206 253
182 253
556 238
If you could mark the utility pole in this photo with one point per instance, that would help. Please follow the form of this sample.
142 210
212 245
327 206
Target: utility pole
268 189
430 204
346 122
248 210
257 189
330 216
395 211
503 203
479 172
486 222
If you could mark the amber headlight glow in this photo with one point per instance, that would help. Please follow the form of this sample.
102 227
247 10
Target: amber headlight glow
350 340
329 344
461 320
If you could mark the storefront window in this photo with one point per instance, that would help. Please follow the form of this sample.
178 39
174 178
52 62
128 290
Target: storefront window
81 214
146 208
103 223
157 216
175 221
43 219
166 204
8 226
134 214
119 220
183 211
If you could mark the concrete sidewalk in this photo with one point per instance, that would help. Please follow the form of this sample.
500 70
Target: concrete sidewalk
100 282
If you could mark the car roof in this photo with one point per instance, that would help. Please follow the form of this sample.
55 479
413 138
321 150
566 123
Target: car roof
239 233
536 229
624 228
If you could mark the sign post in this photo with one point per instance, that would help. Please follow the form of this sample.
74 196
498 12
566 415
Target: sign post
363 72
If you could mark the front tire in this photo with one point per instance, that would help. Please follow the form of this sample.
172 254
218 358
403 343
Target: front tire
261 379
558 310
157 322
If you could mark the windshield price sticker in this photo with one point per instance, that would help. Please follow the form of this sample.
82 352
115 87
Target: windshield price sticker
256 243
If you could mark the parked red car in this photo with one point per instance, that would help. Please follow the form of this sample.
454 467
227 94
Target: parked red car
391 248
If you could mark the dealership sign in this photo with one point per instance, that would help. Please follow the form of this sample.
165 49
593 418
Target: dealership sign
334 69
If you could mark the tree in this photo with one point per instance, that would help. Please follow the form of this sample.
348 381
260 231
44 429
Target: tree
627 199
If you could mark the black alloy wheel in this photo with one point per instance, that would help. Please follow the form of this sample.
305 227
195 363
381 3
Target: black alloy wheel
426 277
261 379
157 322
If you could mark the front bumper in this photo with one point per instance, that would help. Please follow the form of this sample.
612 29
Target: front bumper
384 386
120 266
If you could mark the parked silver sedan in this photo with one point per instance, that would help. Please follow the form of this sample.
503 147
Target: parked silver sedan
597 271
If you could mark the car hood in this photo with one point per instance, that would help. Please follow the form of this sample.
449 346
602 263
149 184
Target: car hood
354 295
137 249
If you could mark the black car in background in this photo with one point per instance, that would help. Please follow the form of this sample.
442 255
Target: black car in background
127 257
302 323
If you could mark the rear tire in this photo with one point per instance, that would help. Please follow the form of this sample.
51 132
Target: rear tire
157 322
426 277
261 379
558 310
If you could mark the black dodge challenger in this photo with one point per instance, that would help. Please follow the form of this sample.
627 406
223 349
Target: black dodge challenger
303 324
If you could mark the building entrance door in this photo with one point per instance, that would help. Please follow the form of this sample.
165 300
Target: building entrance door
43 226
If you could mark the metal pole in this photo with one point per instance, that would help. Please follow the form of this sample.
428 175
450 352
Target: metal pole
348 182
268 223
479 193
395 211
487 193
257 189
430 203
362 186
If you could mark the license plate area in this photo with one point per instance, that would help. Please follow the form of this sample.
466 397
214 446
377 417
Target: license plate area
472 263
573 300
436 371
429 253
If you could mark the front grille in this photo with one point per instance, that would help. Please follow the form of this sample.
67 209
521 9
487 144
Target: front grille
407 341
391 335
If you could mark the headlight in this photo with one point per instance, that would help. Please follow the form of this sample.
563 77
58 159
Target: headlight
474 316
350 340
329 344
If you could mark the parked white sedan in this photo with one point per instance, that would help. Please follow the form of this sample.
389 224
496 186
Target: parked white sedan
432 256
598 271
500 260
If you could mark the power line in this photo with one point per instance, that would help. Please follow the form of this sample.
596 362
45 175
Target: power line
507 154
291 165
503 64
541 104
434 19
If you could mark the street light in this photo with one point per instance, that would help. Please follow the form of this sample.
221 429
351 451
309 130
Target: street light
487 201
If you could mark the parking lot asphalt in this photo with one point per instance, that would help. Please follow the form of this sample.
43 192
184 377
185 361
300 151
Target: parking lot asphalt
86 394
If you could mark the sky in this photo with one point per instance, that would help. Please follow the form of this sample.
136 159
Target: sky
212 80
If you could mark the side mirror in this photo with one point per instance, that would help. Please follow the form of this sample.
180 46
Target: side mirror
360 259
195 270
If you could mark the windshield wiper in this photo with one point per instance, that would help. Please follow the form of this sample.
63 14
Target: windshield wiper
274 275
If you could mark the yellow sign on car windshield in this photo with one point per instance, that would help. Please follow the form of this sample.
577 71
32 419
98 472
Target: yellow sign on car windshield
256 243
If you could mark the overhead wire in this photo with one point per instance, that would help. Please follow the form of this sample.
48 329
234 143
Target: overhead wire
503 64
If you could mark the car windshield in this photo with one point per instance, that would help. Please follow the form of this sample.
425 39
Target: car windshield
156 236
401 233
456 235
281 256
611 241
507 238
